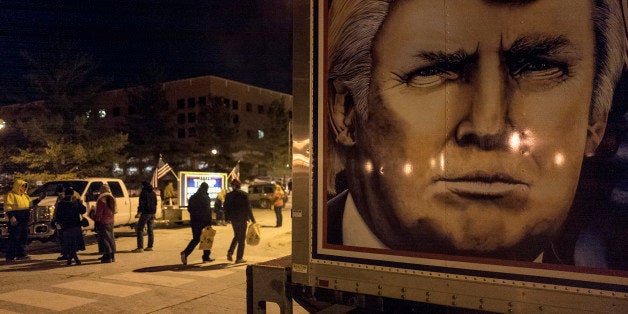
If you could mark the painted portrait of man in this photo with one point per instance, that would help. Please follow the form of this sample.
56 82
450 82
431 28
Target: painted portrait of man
465 127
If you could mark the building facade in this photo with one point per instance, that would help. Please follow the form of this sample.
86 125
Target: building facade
248 106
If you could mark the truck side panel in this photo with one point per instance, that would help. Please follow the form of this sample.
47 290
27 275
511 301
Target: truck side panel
493 284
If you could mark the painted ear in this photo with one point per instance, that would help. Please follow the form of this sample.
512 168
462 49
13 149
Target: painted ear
595 133
341 113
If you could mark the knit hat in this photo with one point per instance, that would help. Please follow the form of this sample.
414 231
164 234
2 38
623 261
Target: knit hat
69 191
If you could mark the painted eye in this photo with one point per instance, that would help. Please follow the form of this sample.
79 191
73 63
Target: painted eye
538 69
429 77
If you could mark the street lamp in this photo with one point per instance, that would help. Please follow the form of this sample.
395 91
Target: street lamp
214 152
2 124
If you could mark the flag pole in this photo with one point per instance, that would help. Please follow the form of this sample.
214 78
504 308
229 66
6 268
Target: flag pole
174 174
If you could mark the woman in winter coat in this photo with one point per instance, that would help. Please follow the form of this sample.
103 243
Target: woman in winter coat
68 215
103 219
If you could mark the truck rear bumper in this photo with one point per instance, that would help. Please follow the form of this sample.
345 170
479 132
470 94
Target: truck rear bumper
268 282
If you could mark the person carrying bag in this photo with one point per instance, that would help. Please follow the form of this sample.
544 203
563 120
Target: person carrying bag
238 209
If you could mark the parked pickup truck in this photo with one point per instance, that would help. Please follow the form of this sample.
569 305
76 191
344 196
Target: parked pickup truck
88 189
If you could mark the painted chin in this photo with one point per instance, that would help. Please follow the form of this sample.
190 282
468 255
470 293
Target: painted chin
469 210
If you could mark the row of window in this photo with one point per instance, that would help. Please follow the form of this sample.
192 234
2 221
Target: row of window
191 118
116 111
192 102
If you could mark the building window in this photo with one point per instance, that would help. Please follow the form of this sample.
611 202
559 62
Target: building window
181 118
236 119
202 117
202 101
226 102
116 111
180 103
234 105
102 113
191 102
260 134
191 132
191 117
249 134
181 133
260 108
249 107
290 114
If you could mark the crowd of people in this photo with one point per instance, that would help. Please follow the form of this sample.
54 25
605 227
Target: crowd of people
231 207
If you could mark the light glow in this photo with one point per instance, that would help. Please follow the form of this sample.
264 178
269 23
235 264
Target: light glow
514 141
559 159
407 168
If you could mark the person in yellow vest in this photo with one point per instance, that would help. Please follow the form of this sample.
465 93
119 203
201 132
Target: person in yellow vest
277 199
170 193
219 209
17 204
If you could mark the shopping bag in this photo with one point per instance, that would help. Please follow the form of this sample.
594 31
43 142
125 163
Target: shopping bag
253 234
207 238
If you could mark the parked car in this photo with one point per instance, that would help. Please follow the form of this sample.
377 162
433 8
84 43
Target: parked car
260 194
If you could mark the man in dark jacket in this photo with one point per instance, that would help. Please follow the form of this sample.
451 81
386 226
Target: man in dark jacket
199 206
238 210
146 212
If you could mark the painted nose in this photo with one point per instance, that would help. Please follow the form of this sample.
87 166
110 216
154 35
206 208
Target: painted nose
486 124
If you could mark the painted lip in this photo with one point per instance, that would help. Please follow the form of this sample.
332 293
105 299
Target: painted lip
482 185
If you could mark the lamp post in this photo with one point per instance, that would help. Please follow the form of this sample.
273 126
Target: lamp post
214 152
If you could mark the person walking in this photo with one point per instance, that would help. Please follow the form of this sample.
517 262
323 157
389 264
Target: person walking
68 216
17 208
103 217
146 211
277 198
238 210
199 207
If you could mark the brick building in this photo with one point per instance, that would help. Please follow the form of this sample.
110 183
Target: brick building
248 105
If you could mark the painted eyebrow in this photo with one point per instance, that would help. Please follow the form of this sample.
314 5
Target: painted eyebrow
537 45
454 60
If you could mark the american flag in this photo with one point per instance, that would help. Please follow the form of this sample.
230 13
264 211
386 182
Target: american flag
162 169
235 172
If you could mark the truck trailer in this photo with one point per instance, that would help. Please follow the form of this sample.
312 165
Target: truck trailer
456 157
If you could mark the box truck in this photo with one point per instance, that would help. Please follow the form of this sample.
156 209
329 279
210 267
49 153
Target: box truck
455 156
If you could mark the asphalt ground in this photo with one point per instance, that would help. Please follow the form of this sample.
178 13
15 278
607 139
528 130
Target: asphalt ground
148 282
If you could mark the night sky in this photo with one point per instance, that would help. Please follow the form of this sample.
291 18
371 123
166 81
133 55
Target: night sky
244 40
